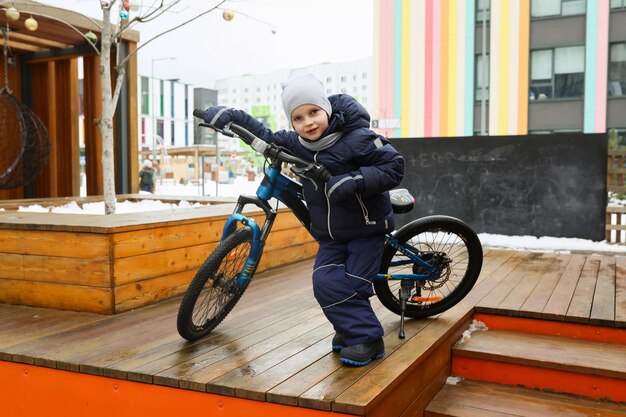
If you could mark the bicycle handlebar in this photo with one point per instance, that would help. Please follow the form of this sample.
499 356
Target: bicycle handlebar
259 145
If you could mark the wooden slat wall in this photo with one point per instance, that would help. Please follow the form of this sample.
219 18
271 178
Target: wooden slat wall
92 97
157 263
133 117
121 270
42 82
67 112
15 86
69 271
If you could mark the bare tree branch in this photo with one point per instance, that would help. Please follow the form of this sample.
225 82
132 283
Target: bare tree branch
119 80
172 29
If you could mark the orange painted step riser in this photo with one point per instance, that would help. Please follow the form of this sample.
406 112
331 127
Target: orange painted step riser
592 386
553 328
27 390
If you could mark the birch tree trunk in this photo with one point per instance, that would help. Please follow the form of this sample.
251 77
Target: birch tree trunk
111 96
106 122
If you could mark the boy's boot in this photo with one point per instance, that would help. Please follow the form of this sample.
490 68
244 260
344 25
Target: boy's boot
338 342
363 353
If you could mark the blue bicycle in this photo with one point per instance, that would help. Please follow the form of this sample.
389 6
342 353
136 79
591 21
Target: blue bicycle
428 265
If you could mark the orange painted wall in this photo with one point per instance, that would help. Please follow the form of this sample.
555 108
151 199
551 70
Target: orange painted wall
27 391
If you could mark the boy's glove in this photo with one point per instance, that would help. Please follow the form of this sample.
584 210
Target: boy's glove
343 186
315 172
218 116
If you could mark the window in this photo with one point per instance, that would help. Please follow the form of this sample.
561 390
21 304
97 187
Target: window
173 131
617 69
545 8
557 73
161 98
483 6
172 105
480 77
186 102
618 4
145 95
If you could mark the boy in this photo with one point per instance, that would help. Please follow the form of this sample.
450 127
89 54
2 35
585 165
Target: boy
350 211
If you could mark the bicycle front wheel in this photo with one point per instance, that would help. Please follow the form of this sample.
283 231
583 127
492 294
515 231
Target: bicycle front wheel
446 241
215 290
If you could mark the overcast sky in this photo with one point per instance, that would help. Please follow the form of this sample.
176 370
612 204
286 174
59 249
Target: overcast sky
306 32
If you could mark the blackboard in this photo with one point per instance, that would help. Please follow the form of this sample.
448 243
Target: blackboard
536 185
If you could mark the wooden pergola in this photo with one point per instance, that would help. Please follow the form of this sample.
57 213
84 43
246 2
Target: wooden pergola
45 78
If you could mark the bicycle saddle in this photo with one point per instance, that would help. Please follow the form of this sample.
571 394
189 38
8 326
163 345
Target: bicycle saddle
401 200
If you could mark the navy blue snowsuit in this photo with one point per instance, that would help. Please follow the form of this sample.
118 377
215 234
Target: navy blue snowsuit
349 214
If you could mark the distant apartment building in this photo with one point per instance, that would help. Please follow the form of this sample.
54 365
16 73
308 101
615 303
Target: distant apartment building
165 114
259 94
166 106
528 66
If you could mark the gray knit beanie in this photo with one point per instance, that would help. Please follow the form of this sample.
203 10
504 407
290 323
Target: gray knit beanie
304 89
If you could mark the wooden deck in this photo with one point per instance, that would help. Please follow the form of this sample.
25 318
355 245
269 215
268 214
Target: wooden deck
274 348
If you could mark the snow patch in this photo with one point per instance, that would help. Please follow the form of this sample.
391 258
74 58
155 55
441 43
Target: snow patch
475 326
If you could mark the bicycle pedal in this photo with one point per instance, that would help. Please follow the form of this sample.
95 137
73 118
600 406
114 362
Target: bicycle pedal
420 299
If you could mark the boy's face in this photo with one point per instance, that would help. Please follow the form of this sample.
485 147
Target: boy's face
310 121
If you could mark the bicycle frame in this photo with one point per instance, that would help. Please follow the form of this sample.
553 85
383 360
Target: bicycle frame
277 185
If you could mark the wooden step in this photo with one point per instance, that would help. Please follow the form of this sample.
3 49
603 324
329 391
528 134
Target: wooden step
582 367
483 399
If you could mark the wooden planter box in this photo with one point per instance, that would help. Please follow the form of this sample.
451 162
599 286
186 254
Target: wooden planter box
110 264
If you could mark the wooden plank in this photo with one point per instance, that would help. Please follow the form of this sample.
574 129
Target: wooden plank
620 291
52 243
77 271
533 274
603 304
538 298
73 271
546 352
580 306
59 296
270 369
149 240
495 298
163 342
473 398
148 291
25 324
281 248
239 369
232 337
177 369
419 404
435 366
559 301
137 268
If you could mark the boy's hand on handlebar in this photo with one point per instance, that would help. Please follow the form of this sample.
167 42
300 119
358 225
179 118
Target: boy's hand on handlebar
315 172
217 116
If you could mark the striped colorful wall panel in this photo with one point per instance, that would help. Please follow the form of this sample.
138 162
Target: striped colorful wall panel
424 59
424 67
596 65
508 67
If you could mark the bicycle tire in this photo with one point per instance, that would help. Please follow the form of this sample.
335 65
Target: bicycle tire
213 292
433 234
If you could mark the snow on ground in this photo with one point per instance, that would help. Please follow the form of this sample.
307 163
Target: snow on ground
241 185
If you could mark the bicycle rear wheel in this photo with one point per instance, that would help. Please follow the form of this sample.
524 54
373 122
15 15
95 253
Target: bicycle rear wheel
437 239
214 290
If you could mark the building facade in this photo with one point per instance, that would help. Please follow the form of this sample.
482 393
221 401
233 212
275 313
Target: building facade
260 94
499 67
165 114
